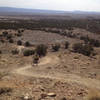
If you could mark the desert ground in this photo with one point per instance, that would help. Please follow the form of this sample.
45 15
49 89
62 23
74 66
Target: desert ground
60 75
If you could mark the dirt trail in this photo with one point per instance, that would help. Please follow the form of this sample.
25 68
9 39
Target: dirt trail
90 83
20 48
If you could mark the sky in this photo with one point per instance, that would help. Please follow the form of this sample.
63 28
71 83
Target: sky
66 5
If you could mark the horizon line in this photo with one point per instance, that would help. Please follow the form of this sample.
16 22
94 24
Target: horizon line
49 9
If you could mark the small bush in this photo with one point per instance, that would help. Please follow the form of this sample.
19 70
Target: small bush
5 33
28 52
4 90
1 35
85 38
56 47
27 44
1 40
19 34
9 36
63 98
0 52
77 47
14 52
84 49
19 31
35 59
94 42
11 41
22 30
19 42
41 50
66 45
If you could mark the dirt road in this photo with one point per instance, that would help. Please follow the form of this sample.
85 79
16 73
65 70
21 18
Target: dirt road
41 73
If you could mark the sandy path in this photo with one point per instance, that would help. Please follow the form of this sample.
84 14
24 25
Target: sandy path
20 48
49 60
90 83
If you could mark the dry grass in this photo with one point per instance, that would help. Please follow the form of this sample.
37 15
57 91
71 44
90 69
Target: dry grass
2 74
93 95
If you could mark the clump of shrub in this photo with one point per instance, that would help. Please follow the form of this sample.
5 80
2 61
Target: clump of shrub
63 98
84 49
2 40
41 50
19 42
28 52
1 35
27 44
4 90
19 31
11 41
35 59
93 42
19 34
9 36
56 47
66 45
0 52
5 33
77 47
22 30
85 38
14 52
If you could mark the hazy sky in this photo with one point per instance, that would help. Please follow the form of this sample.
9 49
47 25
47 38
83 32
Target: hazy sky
67 5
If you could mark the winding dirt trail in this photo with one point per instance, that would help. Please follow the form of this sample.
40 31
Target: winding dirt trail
40 73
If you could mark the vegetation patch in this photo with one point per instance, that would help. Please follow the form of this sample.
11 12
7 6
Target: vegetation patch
41 50
14 52
84 49
35 59
5 90
66 45
56 47
19 42
28 52
27 44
